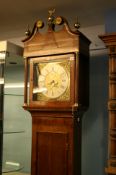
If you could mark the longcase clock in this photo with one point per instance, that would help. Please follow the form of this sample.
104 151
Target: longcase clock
56 95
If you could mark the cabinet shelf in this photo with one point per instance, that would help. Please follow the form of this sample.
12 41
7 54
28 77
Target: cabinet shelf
12 132
14 95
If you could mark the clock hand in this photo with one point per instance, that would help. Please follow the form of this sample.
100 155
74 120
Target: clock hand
52 82
56 84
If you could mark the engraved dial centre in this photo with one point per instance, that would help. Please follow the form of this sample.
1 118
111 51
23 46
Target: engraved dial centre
55 80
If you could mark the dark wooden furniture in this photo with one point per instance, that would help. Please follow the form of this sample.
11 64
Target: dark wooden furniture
57 70
110 41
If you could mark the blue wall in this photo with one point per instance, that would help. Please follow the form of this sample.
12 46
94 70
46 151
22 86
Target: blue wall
95 120
110 21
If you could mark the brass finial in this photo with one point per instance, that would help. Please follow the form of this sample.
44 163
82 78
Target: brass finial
59 20
39 24
51 12
28 32
77 24
51 18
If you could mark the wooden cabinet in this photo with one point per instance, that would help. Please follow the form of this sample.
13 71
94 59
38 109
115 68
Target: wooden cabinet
57 71
110 41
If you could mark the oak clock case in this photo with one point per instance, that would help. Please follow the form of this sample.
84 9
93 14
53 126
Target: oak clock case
57 95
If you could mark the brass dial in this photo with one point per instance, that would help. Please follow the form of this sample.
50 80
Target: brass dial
54 80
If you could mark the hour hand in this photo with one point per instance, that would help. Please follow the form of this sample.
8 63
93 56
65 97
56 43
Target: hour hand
56 84
52 82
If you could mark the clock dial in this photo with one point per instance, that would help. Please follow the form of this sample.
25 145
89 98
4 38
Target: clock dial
54 80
